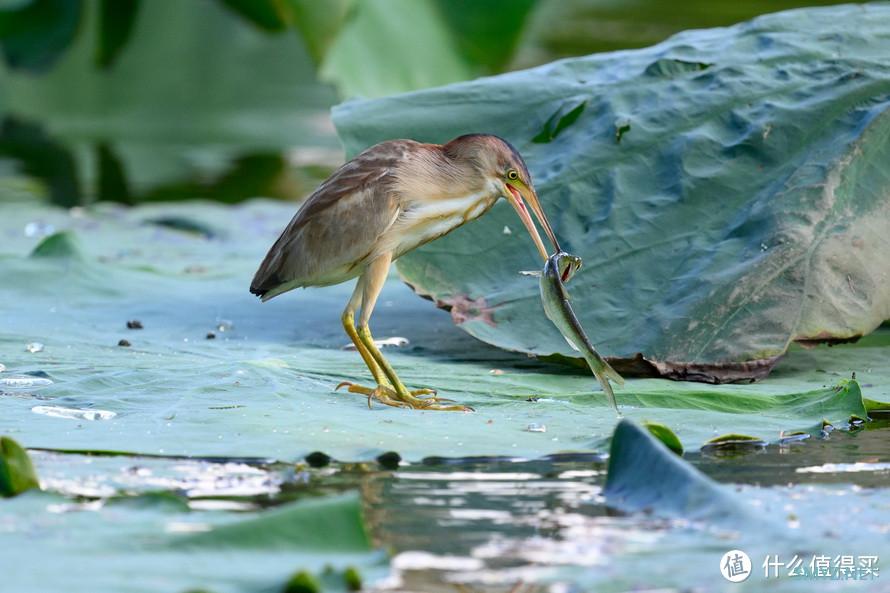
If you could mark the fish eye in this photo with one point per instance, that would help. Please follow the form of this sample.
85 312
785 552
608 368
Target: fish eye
512 175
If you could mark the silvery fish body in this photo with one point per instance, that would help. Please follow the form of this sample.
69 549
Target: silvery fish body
555 298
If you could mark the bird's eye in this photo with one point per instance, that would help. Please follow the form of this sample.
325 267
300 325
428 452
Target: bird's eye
512 175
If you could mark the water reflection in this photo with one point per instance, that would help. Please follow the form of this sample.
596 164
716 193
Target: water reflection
499 525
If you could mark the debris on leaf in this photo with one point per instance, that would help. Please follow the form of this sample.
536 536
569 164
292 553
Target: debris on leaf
184 225
622 126
733 444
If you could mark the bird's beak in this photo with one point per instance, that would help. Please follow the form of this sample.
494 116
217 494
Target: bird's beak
518 196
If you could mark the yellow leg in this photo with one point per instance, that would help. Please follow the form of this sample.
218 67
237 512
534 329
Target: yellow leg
348 319
390 391
384 387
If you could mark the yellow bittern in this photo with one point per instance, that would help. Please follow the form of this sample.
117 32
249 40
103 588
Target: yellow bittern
390 199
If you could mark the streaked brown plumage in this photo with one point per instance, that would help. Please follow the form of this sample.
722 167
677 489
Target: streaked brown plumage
390 199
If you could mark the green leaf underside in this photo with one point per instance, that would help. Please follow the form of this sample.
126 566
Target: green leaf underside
264 386
744 210
58 245
645 475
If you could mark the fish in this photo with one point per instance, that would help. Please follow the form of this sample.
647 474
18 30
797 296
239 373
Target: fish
558 270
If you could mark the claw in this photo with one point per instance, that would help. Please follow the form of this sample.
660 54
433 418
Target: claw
422 399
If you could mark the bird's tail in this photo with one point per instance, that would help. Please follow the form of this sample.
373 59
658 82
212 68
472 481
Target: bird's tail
604 372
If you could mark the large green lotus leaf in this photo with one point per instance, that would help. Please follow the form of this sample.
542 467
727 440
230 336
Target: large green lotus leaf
369 50
375 54
727 190
263 387
156 547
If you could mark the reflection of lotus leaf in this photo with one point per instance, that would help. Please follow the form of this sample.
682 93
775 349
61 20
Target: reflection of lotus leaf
726 188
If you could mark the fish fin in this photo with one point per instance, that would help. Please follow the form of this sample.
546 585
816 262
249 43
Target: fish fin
572 344
535 273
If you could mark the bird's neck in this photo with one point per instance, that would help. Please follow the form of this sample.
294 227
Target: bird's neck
432 177
435 197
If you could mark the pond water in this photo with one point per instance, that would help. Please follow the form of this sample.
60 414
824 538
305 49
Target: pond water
520 525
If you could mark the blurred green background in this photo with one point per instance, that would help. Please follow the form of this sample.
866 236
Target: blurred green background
133 101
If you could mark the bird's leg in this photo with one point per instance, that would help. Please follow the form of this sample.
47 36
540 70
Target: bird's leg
384 390
348 319
396 394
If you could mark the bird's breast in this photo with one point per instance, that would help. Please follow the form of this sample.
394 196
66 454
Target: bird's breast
422 221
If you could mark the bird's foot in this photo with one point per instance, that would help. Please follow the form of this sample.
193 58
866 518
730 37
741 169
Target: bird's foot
419 399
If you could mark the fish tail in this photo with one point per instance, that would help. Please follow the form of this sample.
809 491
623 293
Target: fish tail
603 372
612 374
599 366
607 389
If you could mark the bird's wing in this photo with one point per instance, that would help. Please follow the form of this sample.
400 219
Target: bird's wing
337 226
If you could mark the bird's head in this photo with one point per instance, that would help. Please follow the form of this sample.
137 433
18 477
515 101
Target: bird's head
503 169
